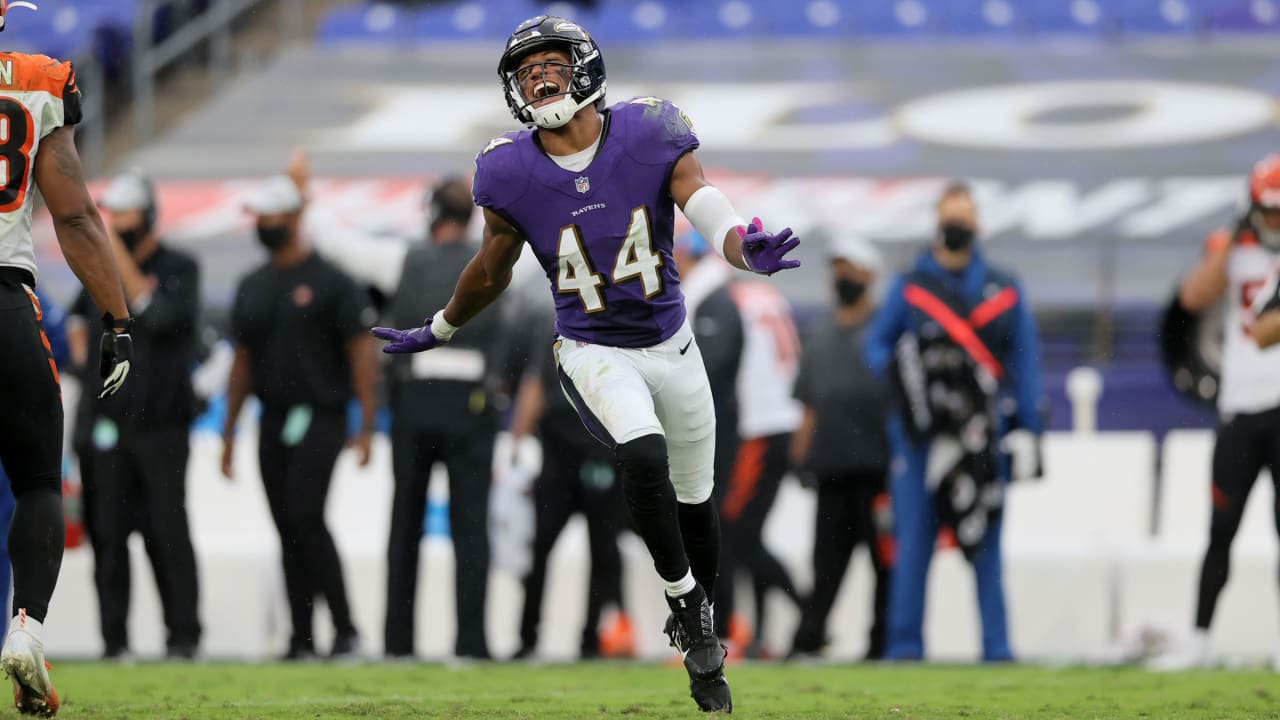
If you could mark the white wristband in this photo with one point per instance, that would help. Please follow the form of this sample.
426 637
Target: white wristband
441 327
712 215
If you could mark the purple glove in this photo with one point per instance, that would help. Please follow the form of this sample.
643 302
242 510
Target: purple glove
764 251
408 341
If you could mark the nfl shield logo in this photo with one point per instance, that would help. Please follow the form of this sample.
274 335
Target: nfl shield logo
583 184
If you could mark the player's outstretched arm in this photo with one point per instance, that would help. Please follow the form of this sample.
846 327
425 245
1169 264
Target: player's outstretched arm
83 237
746 246
481 282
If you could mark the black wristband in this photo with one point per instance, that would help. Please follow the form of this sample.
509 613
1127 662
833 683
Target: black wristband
122 325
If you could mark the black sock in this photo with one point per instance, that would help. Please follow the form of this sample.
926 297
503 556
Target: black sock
646 482
36 540
700 528
693 598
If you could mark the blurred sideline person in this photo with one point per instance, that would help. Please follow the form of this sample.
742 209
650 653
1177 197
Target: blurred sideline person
974 322
767 415
441 411
55 329
577 476
717 328
372 260
593 191
45 100
842 446
1236 267
135 444
299 327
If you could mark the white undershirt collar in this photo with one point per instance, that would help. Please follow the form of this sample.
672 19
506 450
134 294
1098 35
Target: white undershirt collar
577 162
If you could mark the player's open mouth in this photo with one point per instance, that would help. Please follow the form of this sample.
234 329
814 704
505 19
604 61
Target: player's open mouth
545 92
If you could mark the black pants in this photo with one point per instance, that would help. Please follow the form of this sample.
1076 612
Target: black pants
31 424
296 479
744 506
723 594
1244 445
117 585
140 483
576 477
846 519
468 458
30 444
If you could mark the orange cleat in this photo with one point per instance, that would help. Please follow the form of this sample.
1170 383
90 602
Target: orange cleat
740 637
618 637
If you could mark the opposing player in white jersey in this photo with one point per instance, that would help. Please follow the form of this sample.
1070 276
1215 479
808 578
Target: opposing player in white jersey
767 415
1236 266
39 105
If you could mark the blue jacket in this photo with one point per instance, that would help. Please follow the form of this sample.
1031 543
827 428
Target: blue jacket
1012 336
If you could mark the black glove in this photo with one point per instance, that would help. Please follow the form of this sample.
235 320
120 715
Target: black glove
116 353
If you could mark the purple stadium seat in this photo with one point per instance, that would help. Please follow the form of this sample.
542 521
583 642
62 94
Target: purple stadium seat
983 17
373 24
1072 17
1159 16
897 18
1243 15
817 18
646 21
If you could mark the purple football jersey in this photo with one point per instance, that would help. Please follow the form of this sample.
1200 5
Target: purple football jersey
603 235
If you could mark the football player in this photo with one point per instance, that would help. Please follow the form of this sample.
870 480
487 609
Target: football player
593 190
39 105
1236 266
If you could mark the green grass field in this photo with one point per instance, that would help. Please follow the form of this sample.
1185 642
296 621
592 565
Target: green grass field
643 691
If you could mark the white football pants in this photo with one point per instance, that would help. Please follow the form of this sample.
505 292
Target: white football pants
625 393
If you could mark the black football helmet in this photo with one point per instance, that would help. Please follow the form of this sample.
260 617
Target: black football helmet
585 76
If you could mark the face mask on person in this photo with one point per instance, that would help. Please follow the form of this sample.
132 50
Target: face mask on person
132 237
849 292
273 237
956 237
1268 235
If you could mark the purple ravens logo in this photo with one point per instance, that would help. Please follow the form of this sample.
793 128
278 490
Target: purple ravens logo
583 183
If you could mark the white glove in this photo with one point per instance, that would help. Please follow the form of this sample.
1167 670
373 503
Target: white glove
1023 449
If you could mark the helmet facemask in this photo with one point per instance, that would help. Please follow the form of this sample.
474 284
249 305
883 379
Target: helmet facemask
577 77
548 94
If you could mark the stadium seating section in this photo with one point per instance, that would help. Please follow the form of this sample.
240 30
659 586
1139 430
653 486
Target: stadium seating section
639 21
103 29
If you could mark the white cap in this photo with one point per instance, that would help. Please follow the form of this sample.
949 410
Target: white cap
275 196
857 250
128 191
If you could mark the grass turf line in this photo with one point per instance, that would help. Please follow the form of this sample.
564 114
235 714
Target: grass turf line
644 692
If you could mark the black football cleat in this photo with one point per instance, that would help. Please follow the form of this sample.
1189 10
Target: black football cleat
692 631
